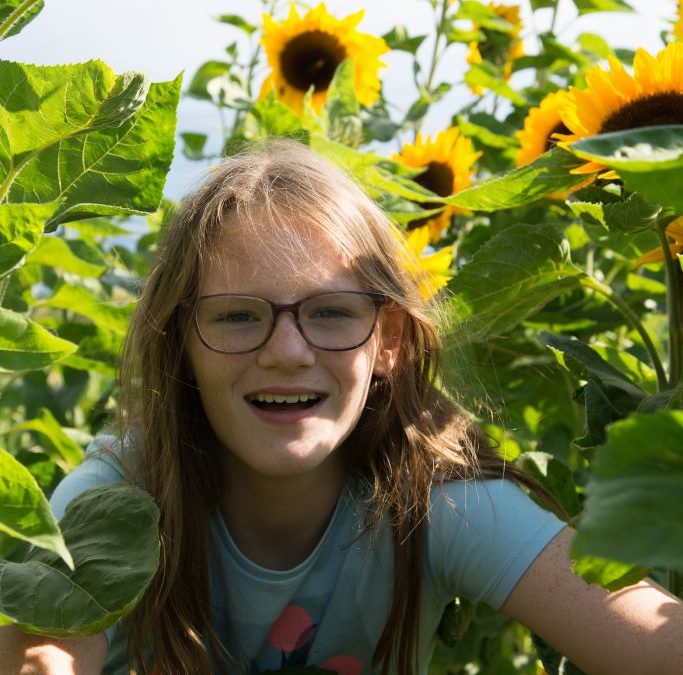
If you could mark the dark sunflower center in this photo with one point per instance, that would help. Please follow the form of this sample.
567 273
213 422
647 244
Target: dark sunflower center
550 142
311 59
652 111
438 178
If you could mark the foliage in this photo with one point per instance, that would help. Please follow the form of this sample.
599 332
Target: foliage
77 142
573 349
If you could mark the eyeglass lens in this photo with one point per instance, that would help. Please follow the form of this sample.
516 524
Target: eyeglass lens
332 321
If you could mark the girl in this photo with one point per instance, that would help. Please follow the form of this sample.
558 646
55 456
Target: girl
321 500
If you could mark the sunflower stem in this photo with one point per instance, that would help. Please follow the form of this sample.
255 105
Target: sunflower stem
674 305
436 52
607 292
4 283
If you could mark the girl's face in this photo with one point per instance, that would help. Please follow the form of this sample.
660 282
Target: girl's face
267 438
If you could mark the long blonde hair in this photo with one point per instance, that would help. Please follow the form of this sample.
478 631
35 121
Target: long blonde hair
410 435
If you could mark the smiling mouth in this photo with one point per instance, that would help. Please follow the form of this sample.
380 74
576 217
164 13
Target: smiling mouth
284 403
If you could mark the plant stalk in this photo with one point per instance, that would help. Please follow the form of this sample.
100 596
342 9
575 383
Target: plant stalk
674 306
632 318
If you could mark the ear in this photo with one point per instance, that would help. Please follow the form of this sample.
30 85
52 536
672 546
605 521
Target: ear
391 323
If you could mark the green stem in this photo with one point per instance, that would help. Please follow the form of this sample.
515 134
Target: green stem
632 318
674 306
436 56
7 25
4 282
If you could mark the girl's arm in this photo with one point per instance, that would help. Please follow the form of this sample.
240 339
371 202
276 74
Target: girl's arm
636 630
24 654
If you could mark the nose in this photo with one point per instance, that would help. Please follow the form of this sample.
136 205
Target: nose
286 348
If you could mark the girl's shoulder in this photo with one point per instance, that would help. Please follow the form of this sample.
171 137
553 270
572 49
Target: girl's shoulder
103 463
483 534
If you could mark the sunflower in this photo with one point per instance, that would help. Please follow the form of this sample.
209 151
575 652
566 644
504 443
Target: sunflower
304 52
429 267
498 47
618 101
674 232
447 161
539 126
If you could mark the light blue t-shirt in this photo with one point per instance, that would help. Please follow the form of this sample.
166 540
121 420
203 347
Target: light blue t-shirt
330 610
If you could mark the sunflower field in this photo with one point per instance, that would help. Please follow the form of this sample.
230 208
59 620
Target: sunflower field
547 218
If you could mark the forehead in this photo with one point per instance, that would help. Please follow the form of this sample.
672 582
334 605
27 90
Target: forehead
273 258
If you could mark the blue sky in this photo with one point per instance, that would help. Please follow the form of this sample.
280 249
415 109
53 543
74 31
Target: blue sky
165 37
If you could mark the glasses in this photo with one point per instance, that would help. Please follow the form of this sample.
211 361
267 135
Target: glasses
336 322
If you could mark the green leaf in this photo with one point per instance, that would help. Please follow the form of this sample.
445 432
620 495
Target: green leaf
587 6
649 160
586 363
342 108
630 215
546 174
114 564
48 427
270 117
193 145
609 574
114 170
207 73
486 75
484 16
641 150
61 253
104 313
634 508
24 512
98 348
398 38
595 44
486 135
509 278
554 475
21 227
237 21
43 105
15 15
608 395
26 345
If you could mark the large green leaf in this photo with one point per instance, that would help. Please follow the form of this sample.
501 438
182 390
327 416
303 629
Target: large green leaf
634 508
116 168
630 215
111 532
68 255
21 226
24 512
49 428
508 279
547 174
43 105
16 14
649 160
26 345
104 313
586 363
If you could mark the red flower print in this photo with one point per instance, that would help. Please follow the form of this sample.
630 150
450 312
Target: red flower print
292 630
344 664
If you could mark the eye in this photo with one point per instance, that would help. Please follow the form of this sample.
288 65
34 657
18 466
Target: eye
330 313
236 318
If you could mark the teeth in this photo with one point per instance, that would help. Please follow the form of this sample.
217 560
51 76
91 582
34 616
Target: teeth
280 398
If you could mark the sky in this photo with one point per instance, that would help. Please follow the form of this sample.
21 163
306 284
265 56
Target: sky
165 37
